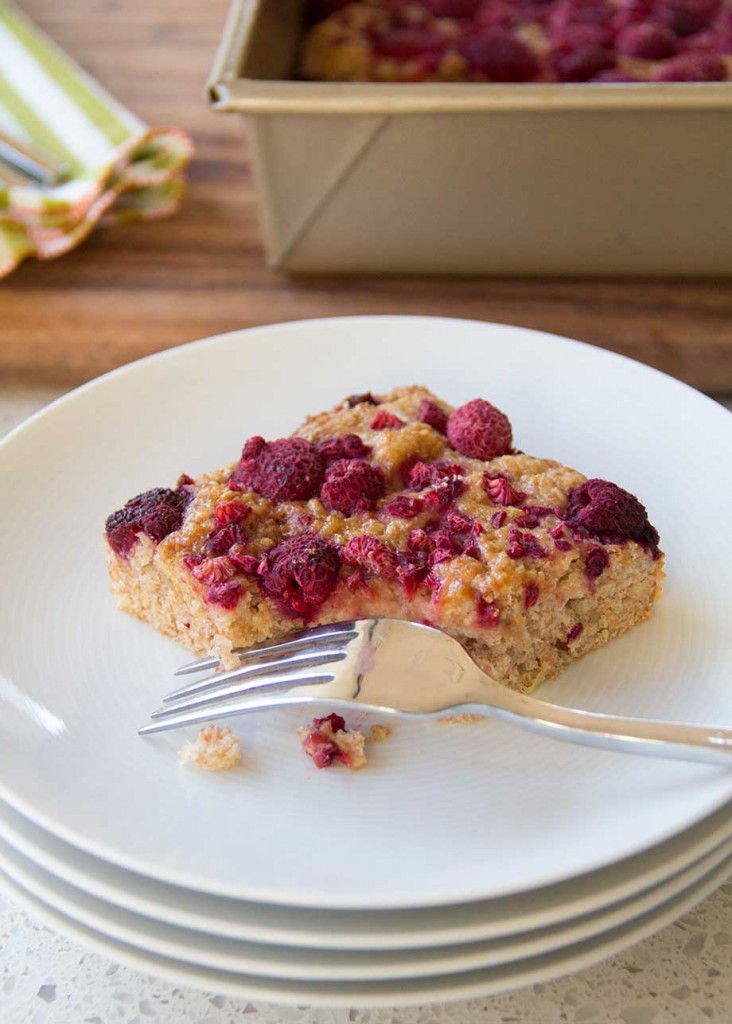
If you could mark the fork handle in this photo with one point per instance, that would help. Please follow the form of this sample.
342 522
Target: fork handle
609 732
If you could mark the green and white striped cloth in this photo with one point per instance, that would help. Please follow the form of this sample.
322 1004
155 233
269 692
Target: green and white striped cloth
120 169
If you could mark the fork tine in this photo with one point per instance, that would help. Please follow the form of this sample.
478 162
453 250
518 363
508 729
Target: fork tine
212 700
239 707
259 670
301 638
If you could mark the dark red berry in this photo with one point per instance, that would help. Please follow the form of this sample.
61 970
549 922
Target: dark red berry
574 632
404 506
479 430
300 574
350 446
487 613
606 511
226 594
452 8
318 742
596 562
352 485
429 412
384 420
498 519
531 595
214 570
498 55
290 469
581 63
695 66
419 475
406 43
372 555
524 545
155 513
231 512
685 17
353 400
500 491
647 42
221 539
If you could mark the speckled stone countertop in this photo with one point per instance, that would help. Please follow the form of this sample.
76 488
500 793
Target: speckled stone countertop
682 974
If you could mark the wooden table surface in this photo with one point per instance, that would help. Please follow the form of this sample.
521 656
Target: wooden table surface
140 288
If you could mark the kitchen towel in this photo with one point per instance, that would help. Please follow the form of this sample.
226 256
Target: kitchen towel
119 169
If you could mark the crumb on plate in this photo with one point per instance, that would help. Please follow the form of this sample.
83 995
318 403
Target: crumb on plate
216 749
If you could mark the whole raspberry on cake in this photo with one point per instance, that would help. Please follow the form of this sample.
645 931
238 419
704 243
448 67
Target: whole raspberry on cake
519 41
392 505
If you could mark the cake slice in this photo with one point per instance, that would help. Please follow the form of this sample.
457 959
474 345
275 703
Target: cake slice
392 505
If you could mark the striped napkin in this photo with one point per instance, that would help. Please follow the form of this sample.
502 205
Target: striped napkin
120 170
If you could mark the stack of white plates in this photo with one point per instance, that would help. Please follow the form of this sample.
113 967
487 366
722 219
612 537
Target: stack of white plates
464 860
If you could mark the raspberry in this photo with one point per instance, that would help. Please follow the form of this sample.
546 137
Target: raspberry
231 512
226 594
487 613
214 570
337 722
685 17
406 43
479 430
352 486
498 55
290 469
347 447
569 13
443 495
384 420
499 490
648 42
221 539
452 8
596 562
574 632
155 513
404 506
524 545
300 574
691 67
244 563
418 540
419 475
581 63
498 519
430 413
353 400
531 595
413 568
371 554
606 511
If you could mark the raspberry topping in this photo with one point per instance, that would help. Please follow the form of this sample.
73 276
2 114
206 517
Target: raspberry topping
691 67
222 538
214 570
353 400
352 485
648 42
487 613
499 490
596 562
524 545
609 513
300 574
290 469
384 420
226 594
574 632
531 595
372 555
479 430
155 513
404 506
231 512
499 56
430 413
350 446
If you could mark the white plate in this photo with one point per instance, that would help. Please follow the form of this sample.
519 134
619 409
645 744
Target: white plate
367 930
293 964
442 815
489 981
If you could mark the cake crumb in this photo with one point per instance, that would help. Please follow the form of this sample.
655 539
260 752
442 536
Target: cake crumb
328 740
216 749
378 733
461 719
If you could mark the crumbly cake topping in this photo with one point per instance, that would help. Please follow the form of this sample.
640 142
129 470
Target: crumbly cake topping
216 749
328 741
395 487
519 41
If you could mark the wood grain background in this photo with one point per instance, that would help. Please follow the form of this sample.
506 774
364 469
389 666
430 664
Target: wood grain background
136 289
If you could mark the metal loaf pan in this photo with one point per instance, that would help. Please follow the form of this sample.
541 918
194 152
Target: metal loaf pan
476 179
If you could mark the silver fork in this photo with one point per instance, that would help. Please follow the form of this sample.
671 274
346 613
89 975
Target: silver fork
409 670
